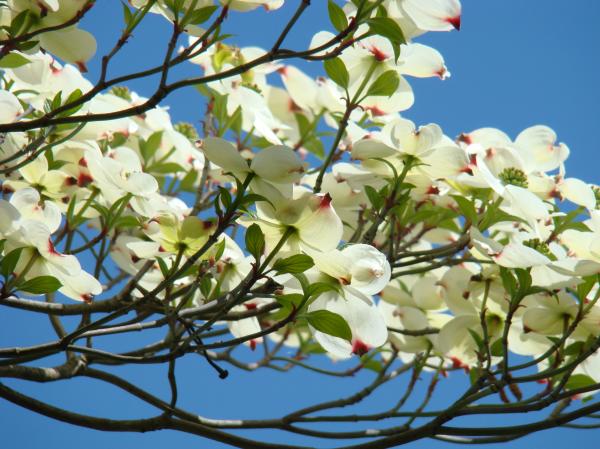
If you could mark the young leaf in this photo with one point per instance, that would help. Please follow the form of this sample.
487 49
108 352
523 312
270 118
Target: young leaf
579 381
219 249
336 70
12 61
298 263
385 85
202 15
337 16
329 323
374 197
149 147
466 208
319 288
497 349
9 262
255 241
205 286
40 285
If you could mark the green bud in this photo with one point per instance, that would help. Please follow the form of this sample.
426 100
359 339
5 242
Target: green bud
121 92
187 129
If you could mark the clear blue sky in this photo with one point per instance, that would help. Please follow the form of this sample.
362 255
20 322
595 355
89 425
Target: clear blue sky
515 63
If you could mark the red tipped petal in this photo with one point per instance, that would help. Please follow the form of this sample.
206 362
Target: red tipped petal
81 66
360 348
454 21
325 201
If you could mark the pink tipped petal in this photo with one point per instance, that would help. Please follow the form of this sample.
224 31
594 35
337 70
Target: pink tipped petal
434 15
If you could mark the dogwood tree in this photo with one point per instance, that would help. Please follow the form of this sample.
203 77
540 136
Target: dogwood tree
303 224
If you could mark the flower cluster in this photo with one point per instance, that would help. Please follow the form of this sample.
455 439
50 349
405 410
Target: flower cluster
397 239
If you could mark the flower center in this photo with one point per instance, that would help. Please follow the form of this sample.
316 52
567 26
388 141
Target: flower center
540 247
514 176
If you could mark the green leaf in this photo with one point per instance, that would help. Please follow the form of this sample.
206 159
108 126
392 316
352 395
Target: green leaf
205 286
375 198
337 16
148 147
311 347
474 374
188 181
315 146
220 249
385 85
329 323
25 46
289 304
336 70
127 14
164 269
494 215
251 198
297 263
202 15
575 348
73 96
21 22
497 349
117 140
40 285
12 61
577 381
166 168
128 221
304 283
371 364
318 288
467 208
255 241
508 281
475 336
225 197
9 262
289 300
585 288
525 281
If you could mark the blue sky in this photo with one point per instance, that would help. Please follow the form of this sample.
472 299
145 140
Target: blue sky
515 63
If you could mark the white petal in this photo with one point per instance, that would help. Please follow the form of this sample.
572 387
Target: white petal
145 250
515 255
422 61
27 201
279 164
365 320
224 154
70 44
434 15
10 108
321 229
539 141
578 192
369 268
371 148
81 287
9 217
302 88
